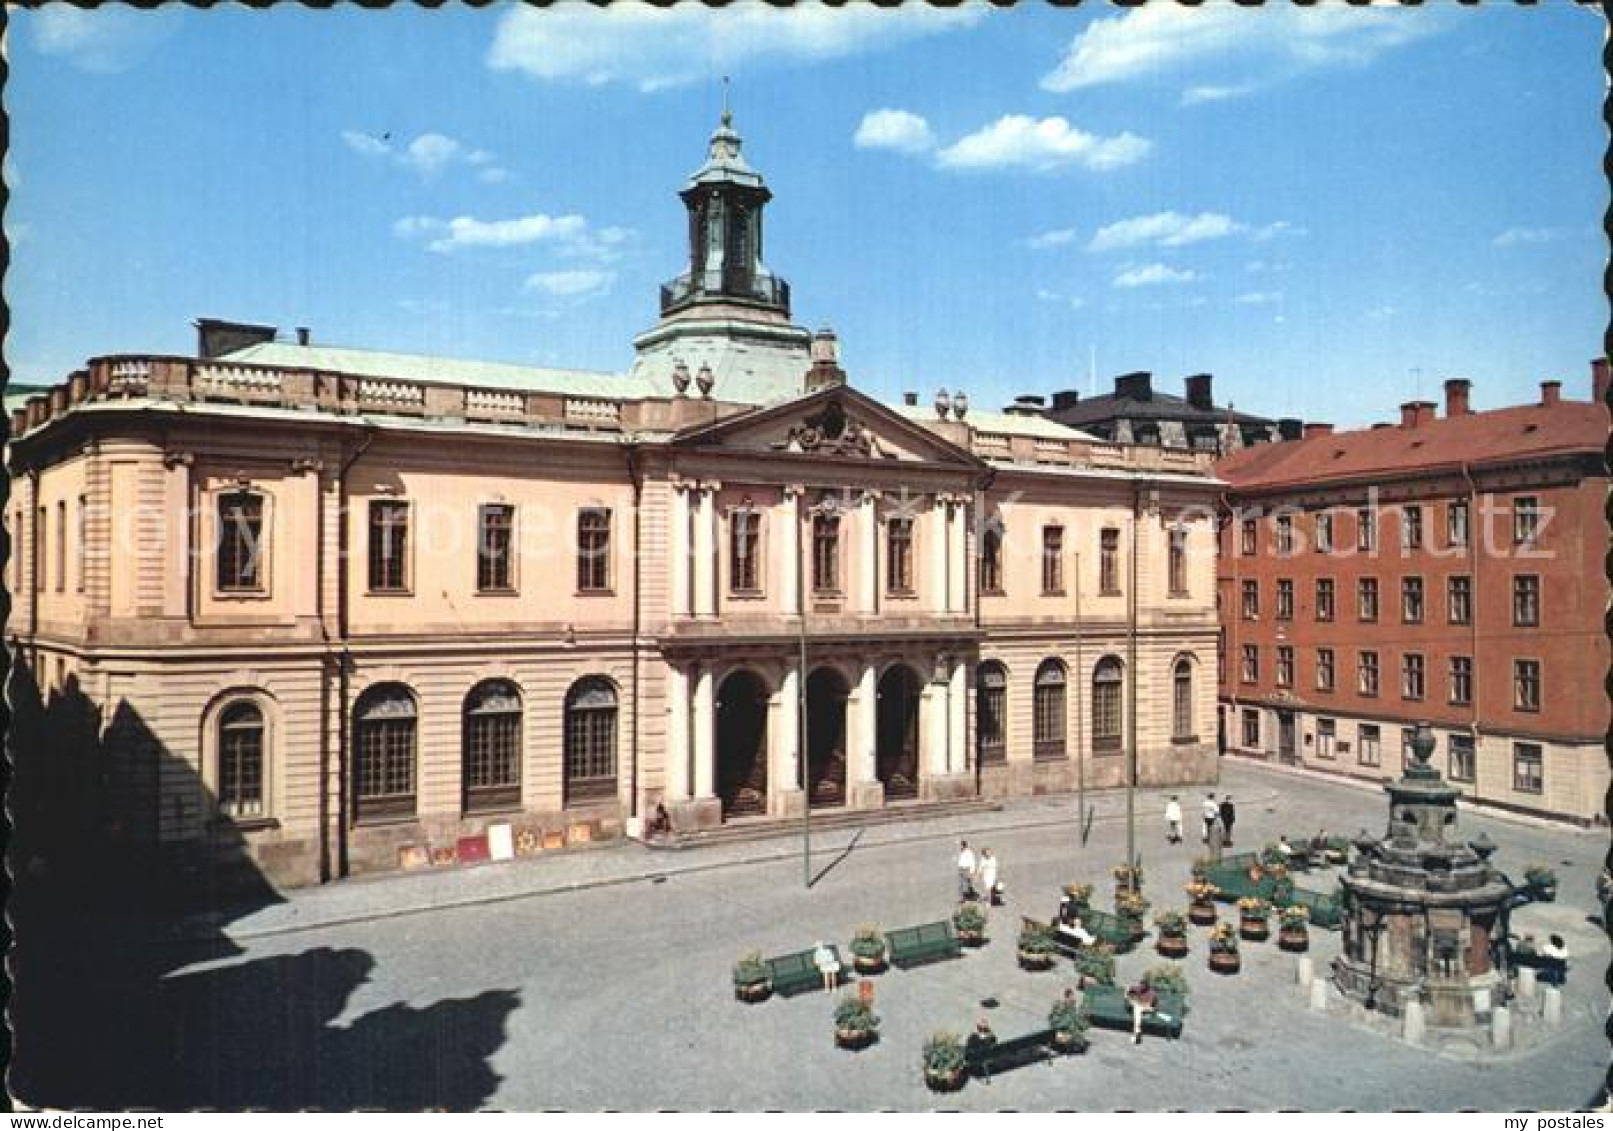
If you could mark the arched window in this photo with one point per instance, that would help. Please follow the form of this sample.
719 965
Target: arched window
1048 719
1106 681
1182 700
991 712
491 758
590 740
384 752
240 760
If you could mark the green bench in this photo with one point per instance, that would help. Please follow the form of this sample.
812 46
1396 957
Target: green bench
1107 1008
1232 880
1327 911
985 1057
1106 928
792 973
928 942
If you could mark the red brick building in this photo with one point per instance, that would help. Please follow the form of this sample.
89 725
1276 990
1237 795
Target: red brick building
1447 569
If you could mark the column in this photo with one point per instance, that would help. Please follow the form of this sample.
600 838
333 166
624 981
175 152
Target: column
934 718
958 573
680 548
958 729
791 550
865 766
677 734
705 735
938 555
868 554
789 734
705 553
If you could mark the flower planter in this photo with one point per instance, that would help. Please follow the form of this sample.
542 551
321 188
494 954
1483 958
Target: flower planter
1225 961
1030 960
1171 946
1254 930
1135 926
854 1038
971 938
1295 940
1201 914
1069 1044
754 992
864 965
949 1081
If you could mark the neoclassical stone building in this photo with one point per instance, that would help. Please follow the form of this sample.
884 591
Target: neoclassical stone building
331 610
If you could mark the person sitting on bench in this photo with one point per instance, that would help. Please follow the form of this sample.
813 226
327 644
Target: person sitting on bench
1077 931
1555 972
1143 1000
828 965
981 1041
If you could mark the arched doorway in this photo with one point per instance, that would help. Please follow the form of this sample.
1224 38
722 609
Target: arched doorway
897 755
742 745
826 738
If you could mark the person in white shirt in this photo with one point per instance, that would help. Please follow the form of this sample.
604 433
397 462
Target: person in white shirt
1077 931
966 871
1173 821
988 876
1212 815
828 965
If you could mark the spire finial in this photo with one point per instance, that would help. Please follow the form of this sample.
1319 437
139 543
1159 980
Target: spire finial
727 115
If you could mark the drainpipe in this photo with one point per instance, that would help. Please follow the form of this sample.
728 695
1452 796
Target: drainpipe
1473 621
1230 614
1131 682
635 472
344 657
982 485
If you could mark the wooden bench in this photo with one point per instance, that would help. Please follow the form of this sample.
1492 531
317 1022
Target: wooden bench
1107 1008
928 942
984 1058
793 973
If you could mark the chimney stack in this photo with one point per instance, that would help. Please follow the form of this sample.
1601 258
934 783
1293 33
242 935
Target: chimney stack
1317 428
1137 386
1550 392
1290 428
824 353
1599 380
1456 391
911 400
1414 414
1066 399
302 335
1026 404
1198 390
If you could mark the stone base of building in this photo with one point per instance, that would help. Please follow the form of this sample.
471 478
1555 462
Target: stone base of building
866 795
787 803
700 813
446 841
1454 1005
947 787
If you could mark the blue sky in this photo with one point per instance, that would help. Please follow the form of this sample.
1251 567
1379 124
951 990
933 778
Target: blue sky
1331 211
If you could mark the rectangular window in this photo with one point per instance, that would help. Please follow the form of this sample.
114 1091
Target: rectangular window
1247 545
1326 738
826 553
1285 534
240 542
61 546
1411 676
494 547
1324 598
992 715
1461 680
899 555
1251 729
1285 599
1406 735
1182 703
1366 529
1251 600
40 556
1411 600
1178 562
991 561
1411 528
1525 520
1464 760
1456 522
1369 741
1528 768
1459 599
1109 561
389 546
745 551
1285 665
1526 685
1324 532
82 527
1526 601
1366 599
1053 559
1324 669
593 550
1251 663
1367 674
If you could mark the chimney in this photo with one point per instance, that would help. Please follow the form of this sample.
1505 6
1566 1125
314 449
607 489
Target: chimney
1066 399
1137 386
1551 392
216 337
302 335
1456 390
1599 382
1414 414
1198 390
1288 428
1381 424
911 400
1317 428
825 356
1026 404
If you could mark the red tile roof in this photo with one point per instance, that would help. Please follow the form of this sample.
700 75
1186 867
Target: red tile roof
1526 431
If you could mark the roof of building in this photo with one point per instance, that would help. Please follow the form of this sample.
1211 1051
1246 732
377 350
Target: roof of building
1157 406
1523 432
18 396
1001 423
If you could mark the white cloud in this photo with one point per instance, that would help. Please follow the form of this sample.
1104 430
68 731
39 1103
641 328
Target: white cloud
1197 95
428 155
653 47
1058 237
894 129
1152 275
363 143
1166 229
1259 298
1169 38
493 175
1041 145
1512 237
570 235
1075 302
105 40
584 283
1278 228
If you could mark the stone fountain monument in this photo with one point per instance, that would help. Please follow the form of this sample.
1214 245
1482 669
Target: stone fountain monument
1421 908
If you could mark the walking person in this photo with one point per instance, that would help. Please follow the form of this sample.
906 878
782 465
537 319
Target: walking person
988 878
1212 814
966 871
1173 821
1228 816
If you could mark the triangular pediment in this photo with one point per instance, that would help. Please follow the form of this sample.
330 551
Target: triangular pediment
833 423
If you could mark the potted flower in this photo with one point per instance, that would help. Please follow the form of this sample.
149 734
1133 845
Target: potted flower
1291 933
1167 978
1068 1020
856 1026
750 978
1541 882
1095 965
969 923
943 1062
868 949
1131 908
1224 958
1128 877
1035 946
1253 918
1201 902
1172 941
1079 897
1202 865
1272 857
